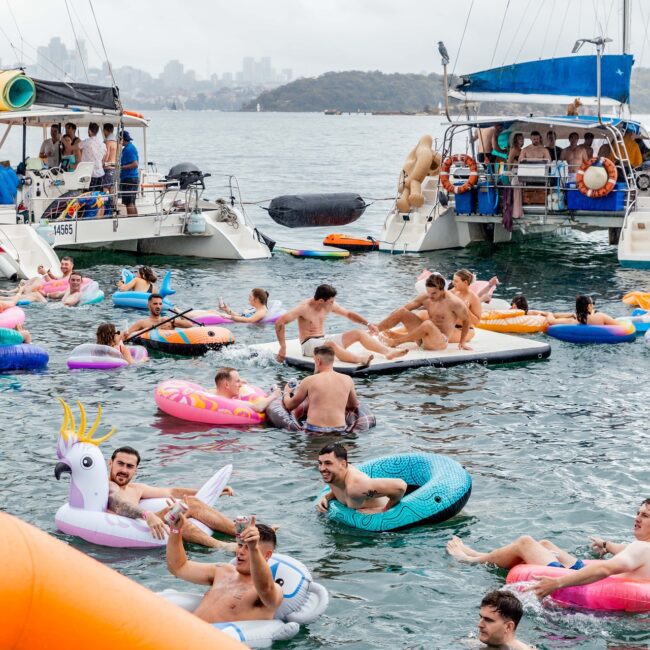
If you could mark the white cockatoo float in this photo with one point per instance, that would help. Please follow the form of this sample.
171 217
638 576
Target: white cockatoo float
85 514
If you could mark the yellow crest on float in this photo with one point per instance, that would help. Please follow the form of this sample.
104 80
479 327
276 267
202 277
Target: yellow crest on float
68 426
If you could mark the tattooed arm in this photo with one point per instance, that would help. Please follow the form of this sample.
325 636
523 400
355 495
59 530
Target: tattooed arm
120 506
365 487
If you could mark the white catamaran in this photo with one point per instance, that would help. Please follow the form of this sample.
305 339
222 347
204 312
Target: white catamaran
53 207
466 200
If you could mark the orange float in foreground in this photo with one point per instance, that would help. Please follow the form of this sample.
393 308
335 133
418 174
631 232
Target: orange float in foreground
54 596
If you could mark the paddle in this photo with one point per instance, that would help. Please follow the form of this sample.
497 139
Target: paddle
162 322
196 322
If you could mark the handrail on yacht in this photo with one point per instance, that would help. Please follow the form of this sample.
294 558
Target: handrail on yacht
8 239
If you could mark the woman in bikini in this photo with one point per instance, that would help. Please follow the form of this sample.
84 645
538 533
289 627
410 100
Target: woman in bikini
144 281
258 300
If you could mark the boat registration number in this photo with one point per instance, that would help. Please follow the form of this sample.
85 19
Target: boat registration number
64 229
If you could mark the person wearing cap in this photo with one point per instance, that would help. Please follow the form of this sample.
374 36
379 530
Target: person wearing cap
129 174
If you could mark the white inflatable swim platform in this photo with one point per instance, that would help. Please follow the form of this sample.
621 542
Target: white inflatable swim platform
487 348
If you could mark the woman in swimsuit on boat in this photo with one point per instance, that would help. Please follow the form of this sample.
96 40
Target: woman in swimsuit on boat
108 335
258 300
144 281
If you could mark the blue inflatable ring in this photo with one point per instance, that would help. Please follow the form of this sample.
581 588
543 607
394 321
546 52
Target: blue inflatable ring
140 299
622 333
22 357
442 488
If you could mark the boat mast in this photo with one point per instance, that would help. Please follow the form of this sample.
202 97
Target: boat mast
627 26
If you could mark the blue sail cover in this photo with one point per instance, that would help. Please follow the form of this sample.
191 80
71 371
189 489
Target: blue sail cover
567 76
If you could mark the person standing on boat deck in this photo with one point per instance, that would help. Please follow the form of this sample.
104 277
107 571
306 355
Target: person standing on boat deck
352 487
499 617
554 151
574 155
446 312
93 150
50 152
487 142
129 174
535 151
110 158
329 393
311 315
71 154
587 145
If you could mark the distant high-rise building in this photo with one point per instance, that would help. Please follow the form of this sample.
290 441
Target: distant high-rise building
287 75
172 74
248 69
55 61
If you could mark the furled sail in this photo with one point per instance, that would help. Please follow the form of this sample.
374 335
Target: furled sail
551 81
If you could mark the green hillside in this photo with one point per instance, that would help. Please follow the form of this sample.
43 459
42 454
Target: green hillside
375 91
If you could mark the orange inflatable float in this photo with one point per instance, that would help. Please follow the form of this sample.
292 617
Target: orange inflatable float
54 596
512 321
637 299
189 342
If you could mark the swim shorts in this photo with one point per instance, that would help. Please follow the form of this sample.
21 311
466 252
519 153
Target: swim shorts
314 428
310 344
576 567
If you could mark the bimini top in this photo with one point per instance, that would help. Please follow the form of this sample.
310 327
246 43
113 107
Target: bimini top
561 124
551 81
43 116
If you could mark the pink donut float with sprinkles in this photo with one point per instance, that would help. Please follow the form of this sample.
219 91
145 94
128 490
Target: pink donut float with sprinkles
188 401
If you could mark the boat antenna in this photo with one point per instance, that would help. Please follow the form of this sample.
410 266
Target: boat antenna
599 42
76 40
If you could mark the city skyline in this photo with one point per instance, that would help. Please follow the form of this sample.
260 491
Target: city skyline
313 38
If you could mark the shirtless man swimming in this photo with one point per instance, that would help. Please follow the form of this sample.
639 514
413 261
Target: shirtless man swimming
630 561
72 295
351 487
155 305
243 592
447 313
330 394
499 617
67 266
228 384
311 315
124 499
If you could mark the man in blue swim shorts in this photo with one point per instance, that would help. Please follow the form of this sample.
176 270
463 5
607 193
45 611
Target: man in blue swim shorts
524 550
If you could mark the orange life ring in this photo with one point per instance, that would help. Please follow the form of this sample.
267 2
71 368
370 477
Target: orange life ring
610 168
134 114
466 160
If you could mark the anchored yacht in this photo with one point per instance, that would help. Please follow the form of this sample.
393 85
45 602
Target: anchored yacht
459 195
55 209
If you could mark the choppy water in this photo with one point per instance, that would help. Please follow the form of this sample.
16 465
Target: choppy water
556 449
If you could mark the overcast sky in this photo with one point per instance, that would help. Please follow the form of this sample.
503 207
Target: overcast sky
315 36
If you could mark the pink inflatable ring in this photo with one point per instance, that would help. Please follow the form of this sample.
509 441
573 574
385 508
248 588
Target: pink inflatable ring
613 594
188 401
